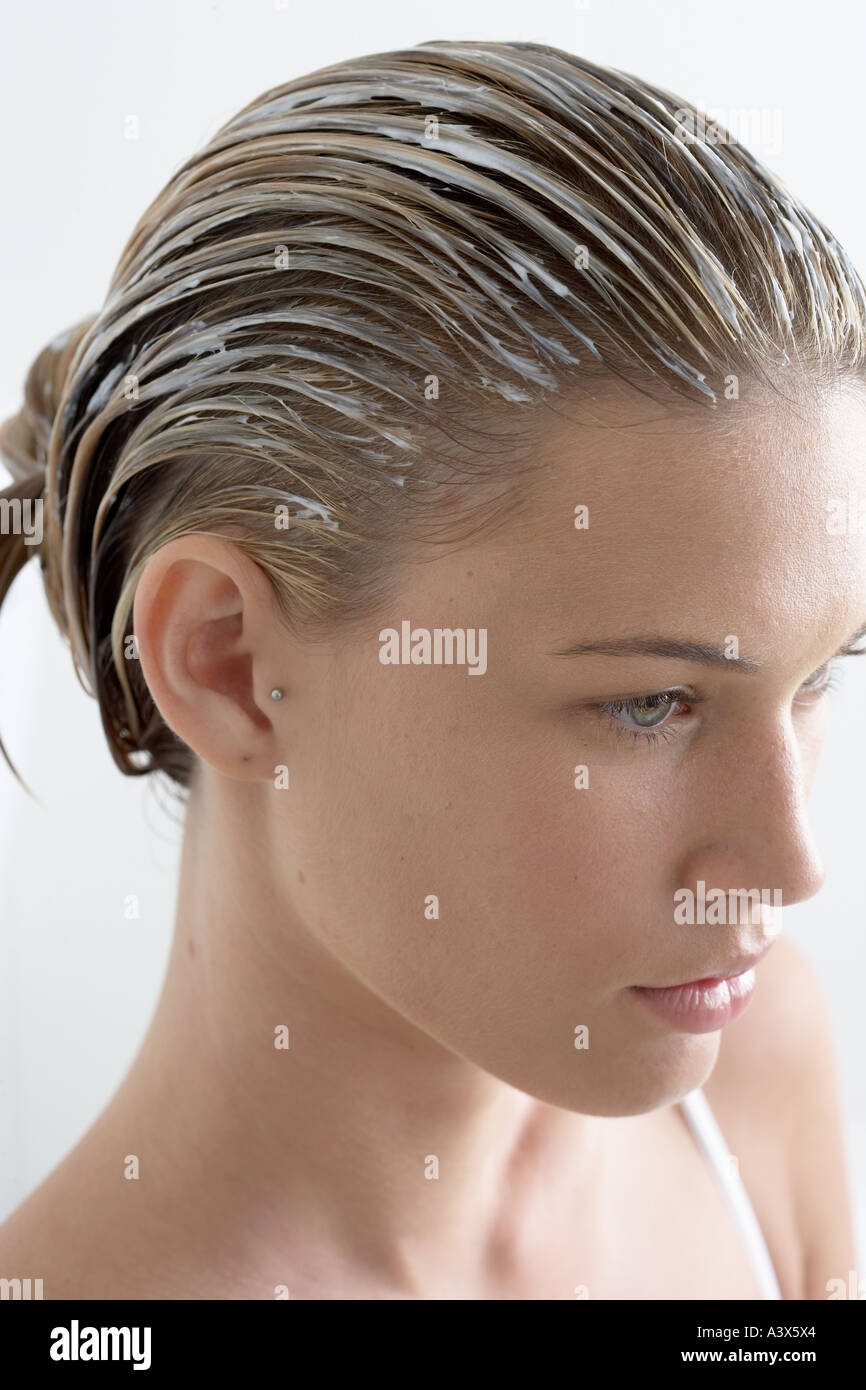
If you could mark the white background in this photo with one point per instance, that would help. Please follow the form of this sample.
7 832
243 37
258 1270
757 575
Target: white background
78 981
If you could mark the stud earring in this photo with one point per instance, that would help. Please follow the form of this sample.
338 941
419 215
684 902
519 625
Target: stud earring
276 693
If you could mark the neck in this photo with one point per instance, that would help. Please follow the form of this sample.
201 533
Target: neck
305 1111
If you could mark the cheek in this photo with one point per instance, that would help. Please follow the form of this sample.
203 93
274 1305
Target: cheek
588 869
564 854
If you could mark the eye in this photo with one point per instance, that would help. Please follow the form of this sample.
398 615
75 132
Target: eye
826 678
646 717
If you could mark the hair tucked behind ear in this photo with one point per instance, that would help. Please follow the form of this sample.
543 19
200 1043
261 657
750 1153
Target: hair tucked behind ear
358 290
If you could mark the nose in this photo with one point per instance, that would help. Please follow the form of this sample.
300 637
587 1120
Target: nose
752 826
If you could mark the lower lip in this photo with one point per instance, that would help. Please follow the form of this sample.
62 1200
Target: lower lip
701 1006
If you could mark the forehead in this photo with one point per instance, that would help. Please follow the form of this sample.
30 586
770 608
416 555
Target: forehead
721 518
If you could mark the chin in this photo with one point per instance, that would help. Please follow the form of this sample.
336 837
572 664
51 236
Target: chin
650 1077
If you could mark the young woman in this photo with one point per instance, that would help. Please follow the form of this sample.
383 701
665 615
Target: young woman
439 500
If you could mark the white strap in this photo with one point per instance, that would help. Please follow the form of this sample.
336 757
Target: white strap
710 1140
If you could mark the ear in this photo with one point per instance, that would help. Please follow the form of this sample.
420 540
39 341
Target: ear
211 646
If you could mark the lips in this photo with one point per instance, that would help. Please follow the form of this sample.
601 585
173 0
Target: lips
728 970
704 1005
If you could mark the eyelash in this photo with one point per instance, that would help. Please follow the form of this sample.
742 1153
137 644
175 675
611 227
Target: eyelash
678 695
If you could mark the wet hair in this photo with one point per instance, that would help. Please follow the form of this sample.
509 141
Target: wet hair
358 294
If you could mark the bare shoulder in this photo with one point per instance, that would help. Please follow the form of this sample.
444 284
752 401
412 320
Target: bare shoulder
38 1237
80 1230
775 1094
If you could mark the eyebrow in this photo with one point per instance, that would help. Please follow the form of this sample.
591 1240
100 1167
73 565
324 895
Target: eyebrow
677 649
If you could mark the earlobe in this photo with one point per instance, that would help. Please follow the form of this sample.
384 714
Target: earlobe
203 618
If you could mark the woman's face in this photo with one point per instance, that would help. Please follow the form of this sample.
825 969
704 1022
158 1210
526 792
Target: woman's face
415 780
